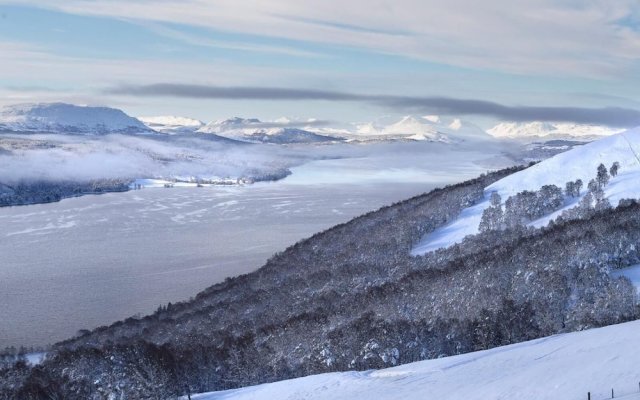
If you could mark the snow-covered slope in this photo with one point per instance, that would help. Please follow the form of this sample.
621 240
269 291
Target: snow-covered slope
415 129
548 130
427 128
579 163
557 367
284 136
231 124
172 124
254 130
464 130
68 118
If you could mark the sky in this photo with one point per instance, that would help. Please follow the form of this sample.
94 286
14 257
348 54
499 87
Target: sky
574 60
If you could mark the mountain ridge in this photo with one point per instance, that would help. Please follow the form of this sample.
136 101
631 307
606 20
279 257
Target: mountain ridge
68 118
256 131
549 130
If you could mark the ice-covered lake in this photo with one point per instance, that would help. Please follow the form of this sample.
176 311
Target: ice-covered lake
89 261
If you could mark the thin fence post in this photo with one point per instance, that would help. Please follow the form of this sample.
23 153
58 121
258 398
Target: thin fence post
588 395
612 393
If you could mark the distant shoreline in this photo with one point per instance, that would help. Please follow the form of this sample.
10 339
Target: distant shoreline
43 192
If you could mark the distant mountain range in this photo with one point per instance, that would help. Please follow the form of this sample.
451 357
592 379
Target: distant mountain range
428 128
254 130
73 119
548 130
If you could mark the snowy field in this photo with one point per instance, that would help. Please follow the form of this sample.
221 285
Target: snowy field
578 163
562 367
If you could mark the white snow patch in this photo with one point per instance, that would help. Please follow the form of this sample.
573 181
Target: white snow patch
35 358
558 367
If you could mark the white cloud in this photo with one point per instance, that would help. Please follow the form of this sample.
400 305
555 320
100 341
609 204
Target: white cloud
568 37
38 75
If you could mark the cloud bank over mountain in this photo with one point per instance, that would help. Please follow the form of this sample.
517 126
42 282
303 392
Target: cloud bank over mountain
613 116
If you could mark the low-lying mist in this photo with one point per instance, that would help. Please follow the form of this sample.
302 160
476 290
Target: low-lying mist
53 157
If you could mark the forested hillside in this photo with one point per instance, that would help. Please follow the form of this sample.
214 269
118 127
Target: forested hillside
353 297
24 193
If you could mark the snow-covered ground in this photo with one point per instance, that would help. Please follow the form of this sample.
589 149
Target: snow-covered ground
557 367
578 163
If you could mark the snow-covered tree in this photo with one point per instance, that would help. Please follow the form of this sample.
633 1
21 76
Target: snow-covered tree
570 188
496 200
549 199
492 216
577 187
614 169
586 204
592 186
603 176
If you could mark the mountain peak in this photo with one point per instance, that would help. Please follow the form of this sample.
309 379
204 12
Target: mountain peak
415 128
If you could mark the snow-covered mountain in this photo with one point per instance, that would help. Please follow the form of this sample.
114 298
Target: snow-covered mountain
415 129
548 130
563 366
284 136
230 125
68 118
459 129
172 124
254 130
427 128
578 163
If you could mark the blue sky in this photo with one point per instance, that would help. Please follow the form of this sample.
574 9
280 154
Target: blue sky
528 53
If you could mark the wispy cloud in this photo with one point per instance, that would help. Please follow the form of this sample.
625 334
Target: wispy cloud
612 116
588 38
206 40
